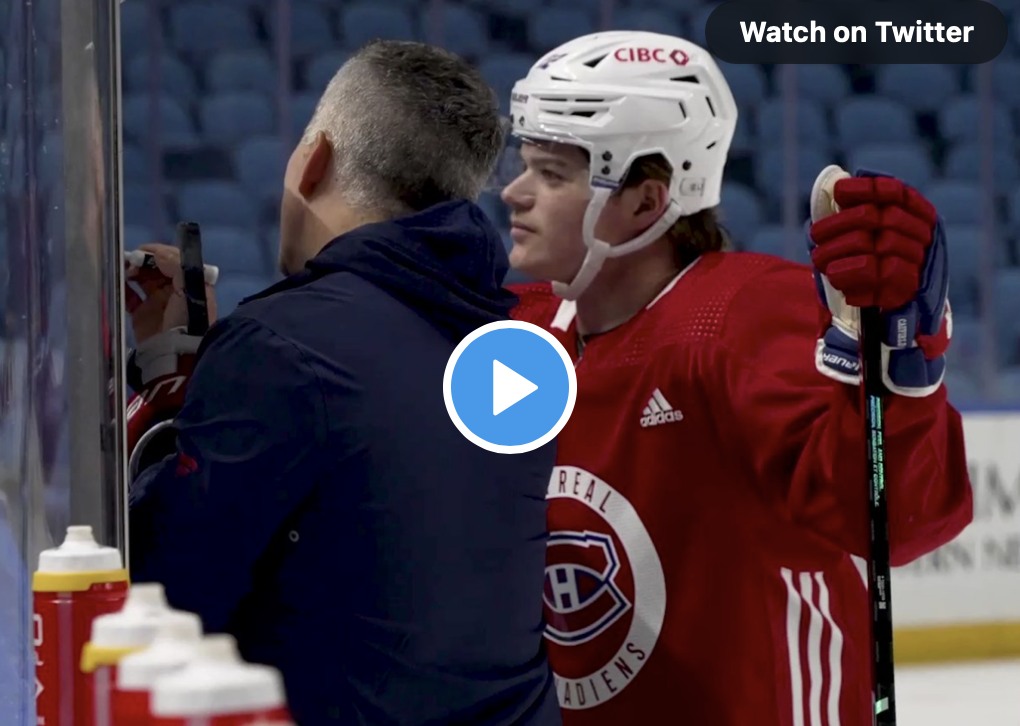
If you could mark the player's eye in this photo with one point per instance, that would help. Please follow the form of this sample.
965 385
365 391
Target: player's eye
551 176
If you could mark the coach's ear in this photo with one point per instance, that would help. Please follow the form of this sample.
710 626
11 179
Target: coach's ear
318 156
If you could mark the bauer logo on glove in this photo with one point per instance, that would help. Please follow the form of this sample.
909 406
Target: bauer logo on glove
877 242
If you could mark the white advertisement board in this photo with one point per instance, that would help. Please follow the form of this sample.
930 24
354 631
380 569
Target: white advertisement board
975 578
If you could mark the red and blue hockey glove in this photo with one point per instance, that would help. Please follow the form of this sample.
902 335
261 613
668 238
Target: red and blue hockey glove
884 247
158 371
159 368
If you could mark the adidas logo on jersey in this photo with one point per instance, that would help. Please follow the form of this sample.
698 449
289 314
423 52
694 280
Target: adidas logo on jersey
658 411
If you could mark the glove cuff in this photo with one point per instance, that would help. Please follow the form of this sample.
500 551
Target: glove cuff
160 356
906 371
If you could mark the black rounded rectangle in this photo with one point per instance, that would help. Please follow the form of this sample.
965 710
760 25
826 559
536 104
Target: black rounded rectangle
900 31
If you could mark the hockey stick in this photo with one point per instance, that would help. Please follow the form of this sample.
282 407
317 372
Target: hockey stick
879 572
189 241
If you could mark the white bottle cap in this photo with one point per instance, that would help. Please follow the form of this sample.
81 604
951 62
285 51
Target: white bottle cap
175 643
135 625
80 553
216 682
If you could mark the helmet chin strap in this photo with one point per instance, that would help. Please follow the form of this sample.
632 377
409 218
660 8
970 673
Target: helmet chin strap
599 251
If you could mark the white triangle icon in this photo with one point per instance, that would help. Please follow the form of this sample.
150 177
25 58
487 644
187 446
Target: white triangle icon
508 387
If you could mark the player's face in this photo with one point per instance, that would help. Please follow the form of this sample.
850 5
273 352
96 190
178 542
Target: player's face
547 204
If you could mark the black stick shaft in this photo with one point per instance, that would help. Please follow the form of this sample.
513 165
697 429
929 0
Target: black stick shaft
189 241
879 590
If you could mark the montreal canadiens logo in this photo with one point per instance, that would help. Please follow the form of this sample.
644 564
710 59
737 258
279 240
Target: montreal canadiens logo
605 594
582 600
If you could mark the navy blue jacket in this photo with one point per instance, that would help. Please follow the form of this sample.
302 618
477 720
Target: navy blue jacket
332 518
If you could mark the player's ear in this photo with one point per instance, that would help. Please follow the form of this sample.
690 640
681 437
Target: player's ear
649 202
318 158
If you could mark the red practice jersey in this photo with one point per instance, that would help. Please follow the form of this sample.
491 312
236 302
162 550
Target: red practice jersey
709 491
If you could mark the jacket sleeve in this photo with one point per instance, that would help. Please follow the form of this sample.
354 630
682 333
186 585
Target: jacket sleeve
802 433
249 433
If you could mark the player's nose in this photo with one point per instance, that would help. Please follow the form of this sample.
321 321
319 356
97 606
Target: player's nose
515 195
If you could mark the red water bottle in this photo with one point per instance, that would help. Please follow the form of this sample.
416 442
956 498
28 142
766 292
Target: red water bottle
178 635
76 582
217 688
115 636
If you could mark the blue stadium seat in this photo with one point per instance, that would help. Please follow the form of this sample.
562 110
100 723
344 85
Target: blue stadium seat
770 164
510 8
966 349
747 82
232 289
176 128
964 162
200 29
229 118
699 17
551 27
910 162
175 78
242 70
362 22
812 127
136 235
961 119
260 164
743 142
576 4
1005 80
871 119
320 70
1009 384
965 274
741 212
494 209
310 29
814 82
234 251
137 28
922 87
959 202
217 203
962 388
684 6
1013 212
502 71
135 164
142 209
659 19
462 30
302 106
1006 294
773 239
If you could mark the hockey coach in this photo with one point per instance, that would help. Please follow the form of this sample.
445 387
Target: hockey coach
319 503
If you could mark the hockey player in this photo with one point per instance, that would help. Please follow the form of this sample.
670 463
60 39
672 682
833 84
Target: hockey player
710 487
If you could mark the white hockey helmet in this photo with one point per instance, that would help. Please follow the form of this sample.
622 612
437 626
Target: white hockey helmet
622 95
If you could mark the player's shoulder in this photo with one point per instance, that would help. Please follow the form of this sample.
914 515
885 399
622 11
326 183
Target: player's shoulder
725 292
723 278
537 303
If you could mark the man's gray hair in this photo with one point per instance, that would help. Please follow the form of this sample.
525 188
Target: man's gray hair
411 125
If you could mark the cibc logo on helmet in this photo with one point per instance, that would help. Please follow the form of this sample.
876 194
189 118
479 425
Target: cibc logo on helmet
651 55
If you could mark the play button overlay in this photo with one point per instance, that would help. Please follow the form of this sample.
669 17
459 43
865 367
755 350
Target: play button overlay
509 387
